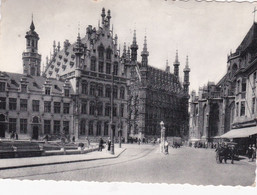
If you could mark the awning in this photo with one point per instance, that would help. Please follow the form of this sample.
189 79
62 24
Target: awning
240 133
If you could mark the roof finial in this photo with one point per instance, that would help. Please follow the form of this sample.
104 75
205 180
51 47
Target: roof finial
187 64
134 38
176 60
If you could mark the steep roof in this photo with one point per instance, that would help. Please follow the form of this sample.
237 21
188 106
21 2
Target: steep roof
35 83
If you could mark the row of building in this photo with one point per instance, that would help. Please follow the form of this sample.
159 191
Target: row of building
72 95
228 109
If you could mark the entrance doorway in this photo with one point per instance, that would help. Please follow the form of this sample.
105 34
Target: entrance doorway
2 125
35 132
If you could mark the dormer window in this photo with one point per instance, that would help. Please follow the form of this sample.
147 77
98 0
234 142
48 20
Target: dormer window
2 86
23 88
66 92
47 90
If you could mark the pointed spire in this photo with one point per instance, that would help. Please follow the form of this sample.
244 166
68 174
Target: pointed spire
59 46
54 46
145 45
187 69
128 53
32 26
124 51
103 15
134 38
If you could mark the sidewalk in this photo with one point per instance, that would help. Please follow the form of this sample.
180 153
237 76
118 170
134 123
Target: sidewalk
13 163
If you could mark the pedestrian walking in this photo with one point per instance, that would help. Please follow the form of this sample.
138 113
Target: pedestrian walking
166 147
101 142
249 152
12 135
87 142
16 136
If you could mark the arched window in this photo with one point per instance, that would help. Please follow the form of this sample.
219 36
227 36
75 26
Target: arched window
92 88
92 108
101 52
122 93
109 54
93 64
115 92
99 108
108 91
100 90
115 68
107 109
91 128
84 88
115 110
121 110
82 127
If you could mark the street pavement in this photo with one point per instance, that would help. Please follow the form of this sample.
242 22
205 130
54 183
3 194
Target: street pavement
145 164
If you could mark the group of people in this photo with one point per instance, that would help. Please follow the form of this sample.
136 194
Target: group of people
14 135
101 144
251 152
225 152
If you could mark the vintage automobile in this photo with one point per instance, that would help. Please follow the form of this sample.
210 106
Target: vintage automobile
227 150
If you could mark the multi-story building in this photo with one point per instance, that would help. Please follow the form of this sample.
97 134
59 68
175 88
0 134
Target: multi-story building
156 95
231 103
30 104
73 95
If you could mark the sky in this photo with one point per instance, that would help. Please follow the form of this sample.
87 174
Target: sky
205 31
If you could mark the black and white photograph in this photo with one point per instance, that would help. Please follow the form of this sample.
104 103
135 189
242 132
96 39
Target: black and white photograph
109 91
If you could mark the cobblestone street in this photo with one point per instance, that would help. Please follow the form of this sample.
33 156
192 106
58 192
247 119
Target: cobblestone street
145 164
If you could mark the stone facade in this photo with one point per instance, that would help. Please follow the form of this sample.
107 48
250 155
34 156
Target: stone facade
231 103
85 74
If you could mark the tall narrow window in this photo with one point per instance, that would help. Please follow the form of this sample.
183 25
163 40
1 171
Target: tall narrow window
12 124
101 53
98 128
35 105
115 68
47 126
66 92
47 106
57 127
115 92
99 108
66 127
100 66
92 89
107 109
66 108
93 64
84 107
122 110
84 88
2 103
109 54
12 103
57 107
106 128
23 104
82 127
91 128
108 91
253 105
23 125
242 111
122 93
2 86
100 90
108 68
92 108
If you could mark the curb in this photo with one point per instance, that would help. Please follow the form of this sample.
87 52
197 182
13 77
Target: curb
63 162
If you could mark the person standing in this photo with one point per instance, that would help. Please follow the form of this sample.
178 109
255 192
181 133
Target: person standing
254 152
250 152
166 146
88 142
101 142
